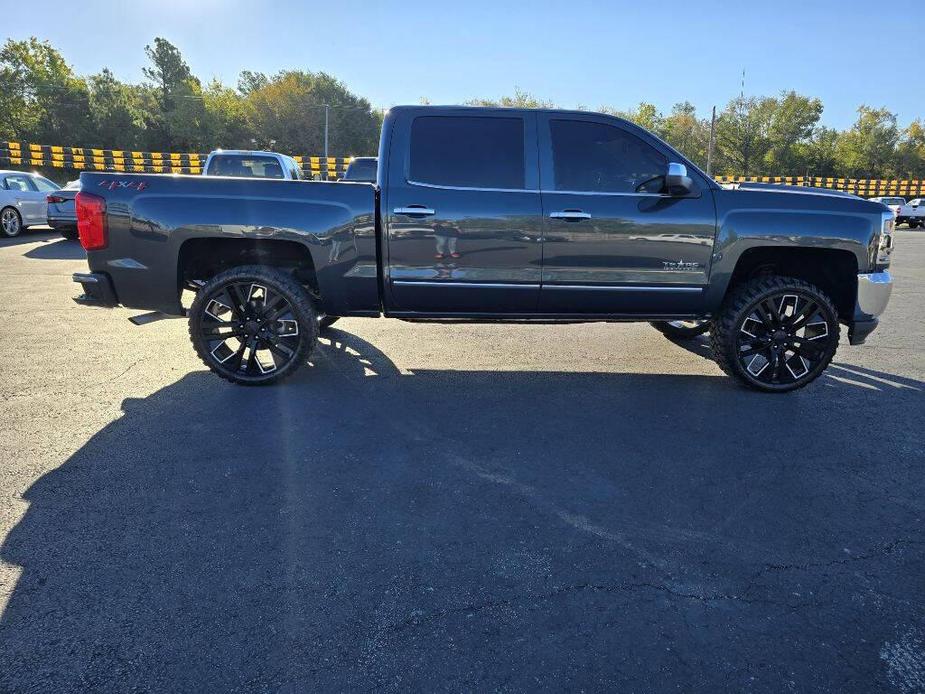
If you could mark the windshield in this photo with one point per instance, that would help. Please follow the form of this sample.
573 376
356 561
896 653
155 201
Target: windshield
245 166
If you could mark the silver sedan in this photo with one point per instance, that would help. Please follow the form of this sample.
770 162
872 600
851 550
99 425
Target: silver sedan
23 200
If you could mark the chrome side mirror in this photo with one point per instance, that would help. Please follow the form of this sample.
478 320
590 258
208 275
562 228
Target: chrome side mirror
677 181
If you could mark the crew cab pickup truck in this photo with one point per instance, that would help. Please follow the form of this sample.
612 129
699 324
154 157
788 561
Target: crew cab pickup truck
484 214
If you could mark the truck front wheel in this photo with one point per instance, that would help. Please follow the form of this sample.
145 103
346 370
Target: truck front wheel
775 334
253 325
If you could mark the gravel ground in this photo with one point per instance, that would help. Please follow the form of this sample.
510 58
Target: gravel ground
491 507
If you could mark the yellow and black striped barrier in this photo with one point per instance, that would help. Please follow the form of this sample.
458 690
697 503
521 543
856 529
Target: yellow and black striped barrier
91 159
865 187
24 154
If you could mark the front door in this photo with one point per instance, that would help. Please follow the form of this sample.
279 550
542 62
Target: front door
463 213
615 242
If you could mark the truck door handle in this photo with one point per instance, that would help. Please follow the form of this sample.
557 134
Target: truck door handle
570 215
415 211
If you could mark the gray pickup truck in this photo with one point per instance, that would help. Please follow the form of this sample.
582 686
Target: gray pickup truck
484 214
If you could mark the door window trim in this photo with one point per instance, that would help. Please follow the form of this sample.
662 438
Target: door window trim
487 190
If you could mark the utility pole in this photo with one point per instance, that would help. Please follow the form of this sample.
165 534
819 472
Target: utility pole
325 140
712 143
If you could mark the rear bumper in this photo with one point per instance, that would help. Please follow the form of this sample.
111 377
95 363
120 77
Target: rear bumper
874 291
62 223
97 290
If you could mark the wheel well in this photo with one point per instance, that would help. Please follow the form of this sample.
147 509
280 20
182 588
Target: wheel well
202 259
834 271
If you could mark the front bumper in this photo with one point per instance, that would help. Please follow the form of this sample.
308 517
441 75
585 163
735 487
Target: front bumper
98 290
874 291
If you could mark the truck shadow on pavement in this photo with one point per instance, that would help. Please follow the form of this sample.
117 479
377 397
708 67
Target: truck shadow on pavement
360 526
61 249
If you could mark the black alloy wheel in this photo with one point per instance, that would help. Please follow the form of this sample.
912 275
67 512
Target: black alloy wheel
776 334
253 325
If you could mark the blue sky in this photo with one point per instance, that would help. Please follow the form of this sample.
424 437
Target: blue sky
574 53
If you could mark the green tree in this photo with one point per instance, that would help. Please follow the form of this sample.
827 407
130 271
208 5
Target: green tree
227 117
290 109
742 135
520 99
687 133
910 152
819 154
793 119
868 148
40 97
645 115
249 82
115 113
176 119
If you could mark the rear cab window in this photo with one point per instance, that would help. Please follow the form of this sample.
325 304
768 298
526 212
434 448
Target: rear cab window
362 170
468 152
245 166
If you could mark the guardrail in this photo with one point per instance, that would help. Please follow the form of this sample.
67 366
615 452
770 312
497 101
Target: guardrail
865 187
91 159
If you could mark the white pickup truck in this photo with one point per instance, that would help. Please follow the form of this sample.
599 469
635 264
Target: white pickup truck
912 213
894 203
245 163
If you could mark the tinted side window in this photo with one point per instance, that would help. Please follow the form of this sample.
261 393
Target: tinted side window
594 157
472 152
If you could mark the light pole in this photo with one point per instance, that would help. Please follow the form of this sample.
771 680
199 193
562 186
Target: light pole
711 143
326 140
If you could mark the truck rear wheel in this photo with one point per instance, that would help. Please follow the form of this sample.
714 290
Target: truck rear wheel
253 325
681 329
775 334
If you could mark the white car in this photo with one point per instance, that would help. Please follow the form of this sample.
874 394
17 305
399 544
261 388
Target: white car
895 204
22 200
247 163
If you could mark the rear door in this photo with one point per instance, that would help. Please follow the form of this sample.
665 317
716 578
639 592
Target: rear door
614 241
29 201
462 210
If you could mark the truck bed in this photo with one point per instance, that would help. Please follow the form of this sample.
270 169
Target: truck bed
152 218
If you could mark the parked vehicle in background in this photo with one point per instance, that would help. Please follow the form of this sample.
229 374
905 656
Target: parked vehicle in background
492 214
244 163
894 203
22 200
912 214
362 170
62 215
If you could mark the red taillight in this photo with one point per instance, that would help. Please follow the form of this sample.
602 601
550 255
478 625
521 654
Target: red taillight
54 198
91 221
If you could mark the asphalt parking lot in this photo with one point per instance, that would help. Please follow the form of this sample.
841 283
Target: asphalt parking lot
452 507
